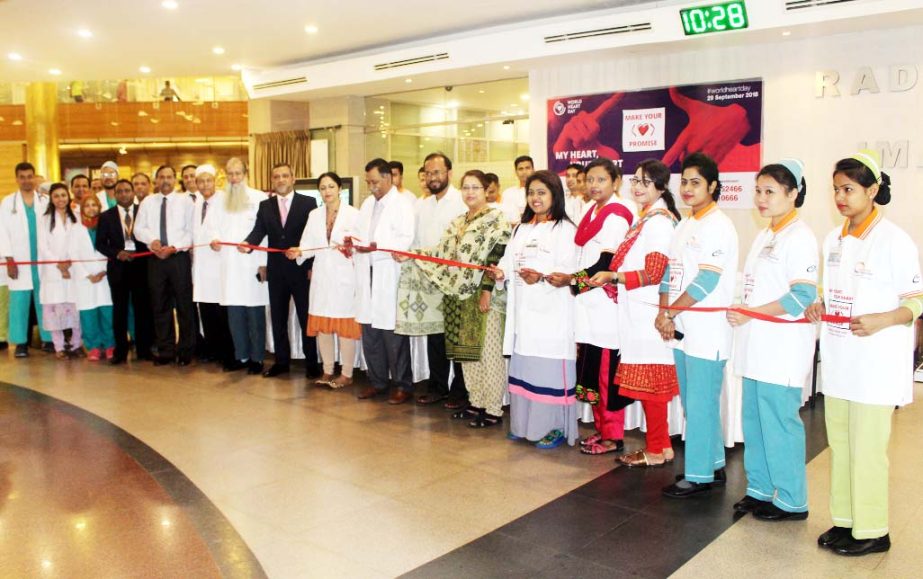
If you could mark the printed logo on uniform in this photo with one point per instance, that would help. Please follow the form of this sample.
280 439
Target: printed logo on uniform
812 268
717 253
916 279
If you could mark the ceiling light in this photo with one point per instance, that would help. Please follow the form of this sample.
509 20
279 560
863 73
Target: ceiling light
170 4
54 71
236 67
506 67
144 70
452 104
524 96
481 91
84 33
787 33
14 56
218 50
408 80
310 29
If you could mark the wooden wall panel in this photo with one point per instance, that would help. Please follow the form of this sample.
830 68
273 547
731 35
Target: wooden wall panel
157 120
10 154
10 114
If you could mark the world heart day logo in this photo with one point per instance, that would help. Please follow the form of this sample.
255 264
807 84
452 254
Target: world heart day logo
642 129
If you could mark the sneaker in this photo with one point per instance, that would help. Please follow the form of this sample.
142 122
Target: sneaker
22 351
93 355
110 352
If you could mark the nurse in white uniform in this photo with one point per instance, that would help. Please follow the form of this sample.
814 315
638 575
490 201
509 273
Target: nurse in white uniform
872 276
780 279
702 273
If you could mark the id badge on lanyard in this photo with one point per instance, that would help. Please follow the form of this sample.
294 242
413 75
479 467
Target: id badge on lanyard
526 258
676 278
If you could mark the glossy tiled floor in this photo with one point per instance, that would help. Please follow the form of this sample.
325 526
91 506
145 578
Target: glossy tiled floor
319 484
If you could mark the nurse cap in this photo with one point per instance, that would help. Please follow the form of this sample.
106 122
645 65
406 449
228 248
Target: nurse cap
796 168
870 159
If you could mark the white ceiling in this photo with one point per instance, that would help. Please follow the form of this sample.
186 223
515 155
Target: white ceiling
127 34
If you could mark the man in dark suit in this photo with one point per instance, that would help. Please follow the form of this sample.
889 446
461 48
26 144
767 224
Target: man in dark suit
282 219
127 276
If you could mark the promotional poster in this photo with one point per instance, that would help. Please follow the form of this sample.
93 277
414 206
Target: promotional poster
722 120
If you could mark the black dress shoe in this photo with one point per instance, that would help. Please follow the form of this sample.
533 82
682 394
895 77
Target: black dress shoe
685 489
48 347
748 504
275 370
770 512
721 478
833 536
254 368
313 371
183 361
4 345
162 361
116 360
858 547
234 366
22 351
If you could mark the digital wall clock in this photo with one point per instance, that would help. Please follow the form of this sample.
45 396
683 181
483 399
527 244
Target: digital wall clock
714 18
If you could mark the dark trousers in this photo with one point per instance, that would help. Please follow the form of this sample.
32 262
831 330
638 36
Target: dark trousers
170 281
387 354
218 344
439 370
287 284
131 287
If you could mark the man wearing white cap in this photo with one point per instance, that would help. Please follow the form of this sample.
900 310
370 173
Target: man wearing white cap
165 224
108 175
206 271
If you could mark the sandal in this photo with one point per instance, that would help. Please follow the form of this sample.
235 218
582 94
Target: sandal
668 455
455 404
513 437
600 448
485 420
553 439
639 458
466 413
62 355
324 380
340 381
591 439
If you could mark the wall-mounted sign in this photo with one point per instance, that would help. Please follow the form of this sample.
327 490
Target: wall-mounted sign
714 18
723 120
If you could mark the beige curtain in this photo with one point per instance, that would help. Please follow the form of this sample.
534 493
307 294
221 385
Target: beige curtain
292 147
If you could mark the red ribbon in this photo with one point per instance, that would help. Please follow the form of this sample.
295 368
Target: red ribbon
350 244
830 319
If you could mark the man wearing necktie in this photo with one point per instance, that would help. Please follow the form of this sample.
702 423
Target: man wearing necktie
280 221
165 223
126 275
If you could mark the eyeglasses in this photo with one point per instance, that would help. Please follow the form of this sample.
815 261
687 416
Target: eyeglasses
636 181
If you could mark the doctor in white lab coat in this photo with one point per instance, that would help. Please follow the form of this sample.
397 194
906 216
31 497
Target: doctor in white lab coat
19 214
386 220
242 281
206 271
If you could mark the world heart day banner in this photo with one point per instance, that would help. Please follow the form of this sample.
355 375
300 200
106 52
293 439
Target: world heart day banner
723 120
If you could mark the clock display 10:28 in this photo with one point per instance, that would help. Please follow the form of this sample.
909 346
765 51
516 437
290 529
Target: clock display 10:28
714 18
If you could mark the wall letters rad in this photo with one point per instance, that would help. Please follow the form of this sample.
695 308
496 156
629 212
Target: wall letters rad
900 78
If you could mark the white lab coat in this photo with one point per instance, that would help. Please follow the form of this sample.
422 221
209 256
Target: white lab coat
540 316
237 283
395 230
14 235
333 283
55 245
206 264
89 295
103 200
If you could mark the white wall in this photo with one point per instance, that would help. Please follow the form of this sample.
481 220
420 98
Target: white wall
795 122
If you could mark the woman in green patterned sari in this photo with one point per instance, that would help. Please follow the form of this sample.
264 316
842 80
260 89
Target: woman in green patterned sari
473 308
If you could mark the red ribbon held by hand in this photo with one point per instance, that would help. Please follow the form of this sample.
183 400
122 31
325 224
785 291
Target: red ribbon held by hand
830 319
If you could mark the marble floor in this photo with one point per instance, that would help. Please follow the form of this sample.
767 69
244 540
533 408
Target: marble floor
268 476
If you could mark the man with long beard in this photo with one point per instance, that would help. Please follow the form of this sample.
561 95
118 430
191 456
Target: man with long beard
242 280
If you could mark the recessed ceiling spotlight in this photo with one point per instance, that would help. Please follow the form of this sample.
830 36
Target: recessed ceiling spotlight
787 33
408 80
506 67
54 71
170 4
236 67
84 33
310 29
144 70
218 50
14 56
481 91
524 96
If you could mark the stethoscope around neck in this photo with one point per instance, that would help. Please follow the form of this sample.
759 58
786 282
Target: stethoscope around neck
16 200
